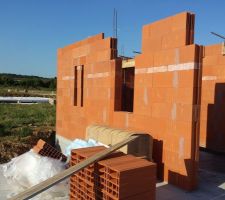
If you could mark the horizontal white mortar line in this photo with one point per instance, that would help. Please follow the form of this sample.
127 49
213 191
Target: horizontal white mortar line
98 75
167 68
209 78
66 78
146 70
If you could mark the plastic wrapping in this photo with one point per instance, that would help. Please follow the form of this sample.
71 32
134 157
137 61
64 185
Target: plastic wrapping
30 169
79 143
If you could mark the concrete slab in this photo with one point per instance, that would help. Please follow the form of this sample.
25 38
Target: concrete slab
211 182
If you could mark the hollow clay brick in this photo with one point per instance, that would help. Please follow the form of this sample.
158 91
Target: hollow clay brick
46 149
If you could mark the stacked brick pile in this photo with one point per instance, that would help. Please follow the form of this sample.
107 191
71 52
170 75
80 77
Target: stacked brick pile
117 177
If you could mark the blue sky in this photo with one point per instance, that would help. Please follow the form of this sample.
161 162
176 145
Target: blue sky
32 30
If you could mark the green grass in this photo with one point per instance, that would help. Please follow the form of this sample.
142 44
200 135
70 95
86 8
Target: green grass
19 91
21 120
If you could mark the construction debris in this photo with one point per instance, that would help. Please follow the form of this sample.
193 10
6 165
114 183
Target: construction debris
44 149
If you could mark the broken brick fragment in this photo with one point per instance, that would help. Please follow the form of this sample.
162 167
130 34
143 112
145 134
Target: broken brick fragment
45 149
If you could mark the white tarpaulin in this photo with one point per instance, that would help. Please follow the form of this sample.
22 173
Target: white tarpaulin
31 168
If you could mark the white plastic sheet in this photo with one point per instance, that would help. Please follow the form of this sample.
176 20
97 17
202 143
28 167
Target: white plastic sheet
79 143
30 169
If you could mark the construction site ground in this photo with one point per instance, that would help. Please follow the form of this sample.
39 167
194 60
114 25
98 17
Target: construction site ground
211 182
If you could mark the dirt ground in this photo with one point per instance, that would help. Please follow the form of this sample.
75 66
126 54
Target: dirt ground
11 146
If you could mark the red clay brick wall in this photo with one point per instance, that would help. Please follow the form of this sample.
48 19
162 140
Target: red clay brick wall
165 100
165 93
212 126
95 54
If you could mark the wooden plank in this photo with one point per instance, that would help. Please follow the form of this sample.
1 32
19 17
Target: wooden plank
128 63
41 187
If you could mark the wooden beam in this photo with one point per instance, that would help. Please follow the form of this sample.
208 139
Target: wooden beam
128 63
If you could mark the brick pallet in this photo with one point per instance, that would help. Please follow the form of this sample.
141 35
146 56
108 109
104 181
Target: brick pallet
117 177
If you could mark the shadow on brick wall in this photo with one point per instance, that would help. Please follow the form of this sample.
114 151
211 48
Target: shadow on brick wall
188 182
215 135
157 157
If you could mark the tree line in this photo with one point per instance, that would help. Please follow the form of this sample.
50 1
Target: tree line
27 82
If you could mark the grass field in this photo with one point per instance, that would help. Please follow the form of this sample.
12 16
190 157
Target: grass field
17 119
21 126
19 91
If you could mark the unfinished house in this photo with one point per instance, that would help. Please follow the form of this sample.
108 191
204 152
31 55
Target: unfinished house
158 92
